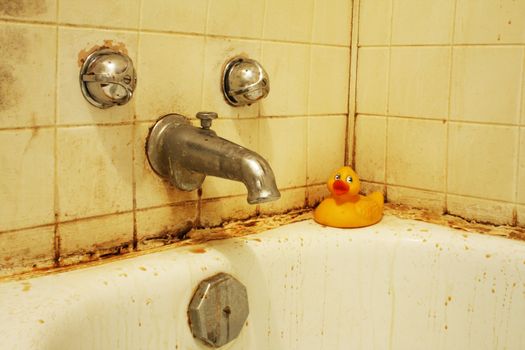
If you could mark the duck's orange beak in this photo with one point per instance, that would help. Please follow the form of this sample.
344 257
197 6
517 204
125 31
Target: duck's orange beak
340 187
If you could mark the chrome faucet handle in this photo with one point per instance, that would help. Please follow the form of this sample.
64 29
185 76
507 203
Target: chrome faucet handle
206 119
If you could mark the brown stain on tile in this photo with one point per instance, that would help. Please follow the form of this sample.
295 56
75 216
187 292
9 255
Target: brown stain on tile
108 44
14 42
22 8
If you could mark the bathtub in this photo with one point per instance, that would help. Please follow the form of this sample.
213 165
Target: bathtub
400 284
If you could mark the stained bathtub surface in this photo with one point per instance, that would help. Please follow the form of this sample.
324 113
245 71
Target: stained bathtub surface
401 284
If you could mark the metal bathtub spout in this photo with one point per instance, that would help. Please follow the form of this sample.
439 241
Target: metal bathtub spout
185 154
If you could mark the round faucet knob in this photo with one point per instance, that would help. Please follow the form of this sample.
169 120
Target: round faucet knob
206 119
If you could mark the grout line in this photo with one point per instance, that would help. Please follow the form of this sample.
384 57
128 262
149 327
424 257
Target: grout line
133 139
488 123
442 45
521 131
449 105
151 31
56 203
168 205
388 94
438 192
153 120
352 86
308 121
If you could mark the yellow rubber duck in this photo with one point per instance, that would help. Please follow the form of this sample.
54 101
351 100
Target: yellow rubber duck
346 207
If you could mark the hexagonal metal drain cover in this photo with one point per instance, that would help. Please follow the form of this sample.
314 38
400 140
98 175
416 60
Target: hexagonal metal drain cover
218 310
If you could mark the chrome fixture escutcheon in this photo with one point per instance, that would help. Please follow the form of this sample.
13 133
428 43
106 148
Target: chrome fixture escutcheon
108 78
244 81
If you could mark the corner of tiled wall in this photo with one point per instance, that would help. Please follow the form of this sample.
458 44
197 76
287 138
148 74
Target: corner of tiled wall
439 105
75 182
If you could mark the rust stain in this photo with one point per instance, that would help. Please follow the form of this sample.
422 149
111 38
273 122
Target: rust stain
26 287
142 268
108 44
41 321
455 222
198 250
22 8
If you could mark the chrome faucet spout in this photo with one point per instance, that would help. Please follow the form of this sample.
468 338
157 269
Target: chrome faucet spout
185 154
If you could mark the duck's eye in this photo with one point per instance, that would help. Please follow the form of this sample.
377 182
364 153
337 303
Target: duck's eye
338 177
349 179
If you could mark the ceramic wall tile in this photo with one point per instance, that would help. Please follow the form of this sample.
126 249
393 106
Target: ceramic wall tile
101 13
434 201
244 132
369 187
94 170
289 20
315 194
150 189
160 226
482 161
521 169
29 10
171 73
25 250
75 44
326 147
237 18
481 210
490 22
375 18
372 80
106 235
27 180
486 84
294 198
329 76
332 22
282 142
416 153
28 55
422 21
288 66
214 212
218 52
370 151
188 16
419 82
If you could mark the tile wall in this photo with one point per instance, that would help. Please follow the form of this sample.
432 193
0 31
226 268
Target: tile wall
440 105
74 181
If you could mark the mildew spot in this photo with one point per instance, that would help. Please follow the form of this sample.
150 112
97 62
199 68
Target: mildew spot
22 8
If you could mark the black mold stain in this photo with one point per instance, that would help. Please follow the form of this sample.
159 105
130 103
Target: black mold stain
22 8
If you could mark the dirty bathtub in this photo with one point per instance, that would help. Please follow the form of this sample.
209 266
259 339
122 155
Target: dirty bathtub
401 284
